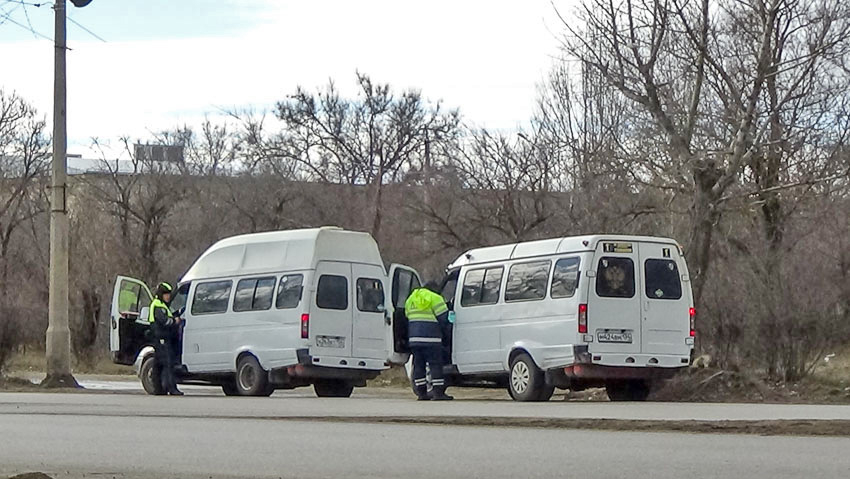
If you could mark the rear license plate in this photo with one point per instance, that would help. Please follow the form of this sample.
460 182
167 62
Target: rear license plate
616 336
330 341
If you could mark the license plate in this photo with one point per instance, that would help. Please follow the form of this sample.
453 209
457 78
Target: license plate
330 341
614 336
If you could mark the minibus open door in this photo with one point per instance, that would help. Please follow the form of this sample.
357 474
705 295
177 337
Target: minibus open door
403 280
128 322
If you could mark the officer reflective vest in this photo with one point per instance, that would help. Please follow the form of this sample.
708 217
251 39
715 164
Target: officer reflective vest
158 303
425 310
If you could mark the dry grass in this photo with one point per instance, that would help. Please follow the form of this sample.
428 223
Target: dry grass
836 370
33 362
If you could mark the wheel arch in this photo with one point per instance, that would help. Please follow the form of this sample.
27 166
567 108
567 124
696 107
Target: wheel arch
520 348
144 353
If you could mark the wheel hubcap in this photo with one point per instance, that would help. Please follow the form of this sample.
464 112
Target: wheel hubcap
520 377
246 379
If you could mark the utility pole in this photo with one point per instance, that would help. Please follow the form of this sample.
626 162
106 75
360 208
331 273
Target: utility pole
58 330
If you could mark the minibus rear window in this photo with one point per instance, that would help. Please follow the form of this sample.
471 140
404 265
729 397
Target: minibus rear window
662 279
370 295
332 292
615 277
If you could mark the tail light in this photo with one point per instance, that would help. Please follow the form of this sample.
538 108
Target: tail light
582 319
692 312
305 326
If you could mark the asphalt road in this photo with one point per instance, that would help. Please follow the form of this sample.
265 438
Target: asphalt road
127 446
392 402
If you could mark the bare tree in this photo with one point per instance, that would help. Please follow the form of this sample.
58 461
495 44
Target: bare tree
141 193
23 160
368 141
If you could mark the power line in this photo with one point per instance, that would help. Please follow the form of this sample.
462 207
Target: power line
8 18
86 29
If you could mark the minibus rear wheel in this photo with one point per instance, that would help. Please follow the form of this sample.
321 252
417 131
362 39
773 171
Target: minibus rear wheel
333 388
627 390
251 378
229 389
526 382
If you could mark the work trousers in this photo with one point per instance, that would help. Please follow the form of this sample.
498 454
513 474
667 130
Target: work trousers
432 356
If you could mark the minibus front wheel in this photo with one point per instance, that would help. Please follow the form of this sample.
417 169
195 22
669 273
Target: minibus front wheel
149 374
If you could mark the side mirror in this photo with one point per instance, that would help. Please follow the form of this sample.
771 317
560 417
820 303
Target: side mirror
143 315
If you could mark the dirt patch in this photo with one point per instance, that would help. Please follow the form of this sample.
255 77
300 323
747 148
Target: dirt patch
32 475
714 385
837 428
16 384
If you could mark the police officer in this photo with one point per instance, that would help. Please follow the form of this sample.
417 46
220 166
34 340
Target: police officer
165 327
427 316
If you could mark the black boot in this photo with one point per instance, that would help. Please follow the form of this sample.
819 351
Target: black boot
422 394
439 394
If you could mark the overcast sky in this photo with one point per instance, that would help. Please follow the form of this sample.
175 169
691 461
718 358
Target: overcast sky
169 62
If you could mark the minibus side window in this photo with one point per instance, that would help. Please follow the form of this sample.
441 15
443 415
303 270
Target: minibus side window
263 294
472 282
332 292
565 278
211 297
481 286
662 279
527 281
615 277
492 285
179 300
370 295
254 294
289 291
403 281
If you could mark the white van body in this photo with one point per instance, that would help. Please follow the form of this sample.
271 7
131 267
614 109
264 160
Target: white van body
522 303
308 306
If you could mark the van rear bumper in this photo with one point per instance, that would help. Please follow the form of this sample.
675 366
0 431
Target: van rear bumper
308 369
593 370
598 371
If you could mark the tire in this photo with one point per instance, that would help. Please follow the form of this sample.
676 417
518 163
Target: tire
229 389
251 378
627 390
333 388
149 374
526 382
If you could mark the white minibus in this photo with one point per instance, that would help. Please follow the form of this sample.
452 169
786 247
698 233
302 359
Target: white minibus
572 313
275 310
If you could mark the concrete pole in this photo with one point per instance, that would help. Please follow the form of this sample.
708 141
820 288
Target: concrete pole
58 330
